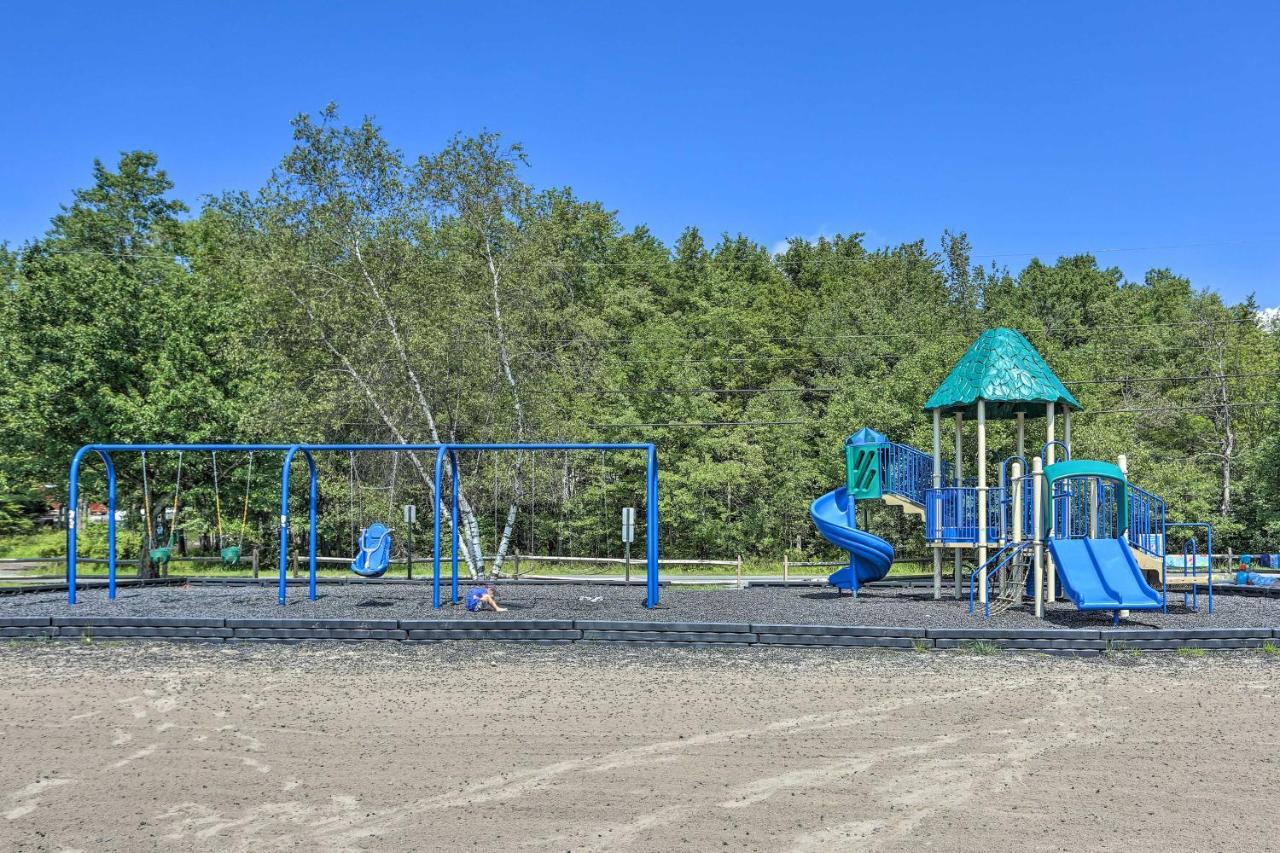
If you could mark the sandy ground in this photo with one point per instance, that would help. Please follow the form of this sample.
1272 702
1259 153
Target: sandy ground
131 746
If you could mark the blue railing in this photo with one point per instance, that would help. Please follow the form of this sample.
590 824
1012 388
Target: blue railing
1190 561
908 472
951 514
1147 521
1086 507
1004 511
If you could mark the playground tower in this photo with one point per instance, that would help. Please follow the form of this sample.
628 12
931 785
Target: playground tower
1000 377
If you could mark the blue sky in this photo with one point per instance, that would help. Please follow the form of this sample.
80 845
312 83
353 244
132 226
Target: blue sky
1144 132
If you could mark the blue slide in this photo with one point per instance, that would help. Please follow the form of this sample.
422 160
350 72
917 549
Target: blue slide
1102 574
869 556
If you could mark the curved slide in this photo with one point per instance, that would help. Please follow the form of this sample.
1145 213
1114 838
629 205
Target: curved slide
869 556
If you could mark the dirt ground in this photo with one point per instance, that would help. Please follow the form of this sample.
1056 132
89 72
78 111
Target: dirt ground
133 746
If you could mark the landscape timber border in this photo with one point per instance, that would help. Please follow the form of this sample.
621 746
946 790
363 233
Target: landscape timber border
1073 642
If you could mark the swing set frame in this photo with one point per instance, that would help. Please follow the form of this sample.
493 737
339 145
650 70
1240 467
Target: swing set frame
290 453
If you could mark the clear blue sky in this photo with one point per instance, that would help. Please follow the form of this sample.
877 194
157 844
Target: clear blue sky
1041 129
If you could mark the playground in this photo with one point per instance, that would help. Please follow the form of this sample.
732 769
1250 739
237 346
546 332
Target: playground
1038 538
179 746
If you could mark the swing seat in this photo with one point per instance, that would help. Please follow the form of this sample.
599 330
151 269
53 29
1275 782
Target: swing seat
231 555
375 552
161 556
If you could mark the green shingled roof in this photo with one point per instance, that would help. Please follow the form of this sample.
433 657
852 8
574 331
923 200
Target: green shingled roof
1003 368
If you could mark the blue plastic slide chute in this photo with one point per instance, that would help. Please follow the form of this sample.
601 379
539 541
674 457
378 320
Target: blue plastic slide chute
375 552
869 556
1102 574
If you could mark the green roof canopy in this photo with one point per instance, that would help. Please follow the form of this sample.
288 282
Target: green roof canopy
1004 369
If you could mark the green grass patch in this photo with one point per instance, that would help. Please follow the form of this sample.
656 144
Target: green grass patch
920 645
1269 648
981 647
45 543
1190 652
1117 650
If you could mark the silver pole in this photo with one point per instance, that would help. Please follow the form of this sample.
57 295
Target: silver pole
1052 454
1037 522
959 479
937 506
982 500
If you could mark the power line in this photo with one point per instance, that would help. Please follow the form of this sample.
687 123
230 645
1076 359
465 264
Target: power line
1178 408
812 421
683 424
821 390
1127 380
886 335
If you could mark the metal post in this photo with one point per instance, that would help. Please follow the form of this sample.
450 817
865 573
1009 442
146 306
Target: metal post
1015 484
282 594
435 528
1123 463
408 553
651 525
254 560
1051 452
1037 522
1049 431
739 573
786 567
311 521
73 499
1093 507
1022 434
937 484
982 500
453 522
959 468
628 534
1066 429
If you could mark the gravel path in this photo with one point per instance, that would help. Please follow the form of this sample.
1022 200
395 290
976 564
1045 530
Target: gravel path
795 606
141 746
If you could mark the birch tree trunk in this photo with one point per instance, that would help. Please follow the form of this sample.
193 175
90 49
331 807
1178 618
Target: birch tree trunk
504 362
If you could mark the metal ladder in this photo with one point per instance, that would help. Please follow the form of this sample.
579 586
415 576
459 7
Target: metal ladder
1012 584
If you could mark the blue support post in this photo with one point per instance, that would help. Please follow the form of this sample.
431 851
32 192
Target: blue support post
435 528
282 596
73 500
651 525
104 451
453 523
314 494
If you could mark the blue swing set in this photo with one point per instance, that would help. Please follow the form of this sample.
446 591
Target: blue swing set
374 552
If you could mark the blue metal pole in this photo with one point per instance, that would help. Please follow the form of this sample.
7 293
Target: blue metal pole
453 521
73 500
1209 536
651 524
311 519
435 528
284 525
111 526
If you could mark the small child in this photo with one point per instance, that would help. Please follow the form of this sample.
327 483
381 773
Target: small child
480 597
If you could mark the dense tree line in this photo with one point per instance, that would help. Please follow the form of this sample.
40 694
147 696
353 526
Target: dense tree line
363 295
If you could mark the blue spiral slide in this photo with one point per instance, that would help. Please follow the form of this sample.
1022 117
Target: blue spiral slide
869 556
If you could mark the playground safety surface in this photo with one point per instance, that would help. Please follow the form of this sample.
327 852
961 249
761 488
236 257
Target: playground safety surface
876 606
142 746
